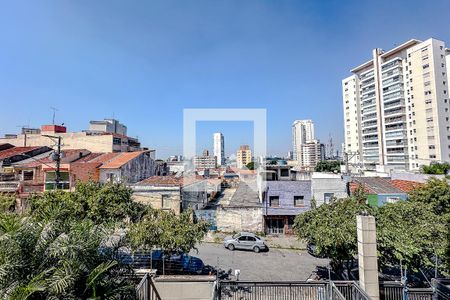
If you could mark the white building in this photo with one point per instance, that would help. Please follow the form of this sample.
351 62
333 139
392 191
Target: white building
219 148
306 149
396 107
108 125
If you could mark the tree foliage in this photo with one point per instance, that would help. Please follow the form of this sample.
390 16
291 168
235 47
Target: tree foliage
167 231
328 166
332 228
435 192
68 246
252 165
436 168
411 233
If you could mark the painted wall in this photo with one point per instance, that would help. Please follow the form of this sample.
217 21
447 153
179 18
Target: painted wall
286 190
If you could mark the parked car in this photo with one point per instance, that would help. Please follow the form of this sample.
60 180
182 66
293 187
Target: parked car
245 241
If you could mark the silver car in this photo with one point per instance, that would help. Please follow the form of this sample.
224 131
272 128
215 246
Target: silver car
245 241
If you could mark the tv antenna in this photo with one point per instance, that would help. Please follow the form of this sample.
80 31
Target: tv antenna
54 113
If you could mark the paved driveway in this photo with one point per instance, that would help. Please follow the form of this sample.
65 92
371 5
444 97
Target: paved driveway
277 264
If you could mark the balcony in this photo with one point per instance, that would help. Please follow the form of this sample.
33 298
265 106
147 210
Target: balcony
395 127
9 186
395 120
397 103
394 111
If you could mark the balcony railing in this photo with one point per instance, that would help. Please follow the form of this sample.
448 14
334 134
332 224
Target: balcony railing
146 289
9 186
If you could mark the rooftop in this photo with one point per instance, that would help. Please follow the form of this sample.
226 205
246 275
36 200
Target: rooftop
170 180
16 151
121 159
376 185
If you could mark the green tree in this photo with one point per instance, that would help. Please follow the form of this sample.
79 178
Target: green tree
435 192
252 165
436 168
332 228
328 166
165 230
7 202
410 232
69 244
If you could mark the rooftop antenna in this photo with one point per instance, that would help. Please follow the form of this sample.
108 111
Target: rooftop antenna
54 113
24 132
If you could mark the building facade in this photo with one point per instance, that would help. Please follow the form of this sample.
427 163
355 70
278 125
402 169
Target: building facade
205 161
219 148
108 125
396 107
243 156
94 141
306 149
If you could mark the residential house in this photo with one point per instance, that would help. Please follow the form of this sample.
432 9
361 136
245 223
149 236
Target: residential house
328 186
176 193
283 197
379 190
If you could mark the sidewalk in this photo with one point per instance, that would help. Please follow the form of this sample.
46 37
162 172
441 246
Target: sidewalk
273 241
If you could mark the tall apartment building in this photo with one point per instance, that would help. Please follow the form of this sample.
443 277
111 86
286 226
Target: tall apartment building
219 148
306 149
243 156
396 106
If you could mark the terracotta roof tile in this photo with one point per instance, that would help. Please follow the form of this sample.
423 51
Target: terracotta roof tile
170 181
405 185
121 159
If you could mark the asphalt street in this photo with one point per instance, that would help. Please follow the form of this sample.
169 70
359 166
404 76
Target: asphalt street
276 264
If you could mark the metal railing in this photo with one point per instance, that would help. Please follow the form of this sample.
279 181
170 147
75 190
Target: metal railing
441 288
396 291
146 289
249 290
302 290
351 290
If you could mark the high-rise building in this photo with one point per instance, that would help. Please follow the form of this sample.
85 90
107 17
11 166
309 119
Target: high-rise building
219 148
304 145
396 106
243 156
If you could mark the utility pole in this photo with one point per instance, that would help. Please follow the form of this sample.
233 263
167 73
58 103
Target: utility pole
347 157
57 158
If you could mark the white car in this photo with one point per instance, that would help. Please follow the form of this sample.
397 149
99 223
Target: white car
245 241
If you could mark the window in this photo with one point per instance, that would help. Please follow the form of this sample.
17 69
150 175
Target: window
165 201
299 200
110 177
432 156
242 239
50 181
117 141
274 201
431 147
284 172
327 197
251 239
27 175
392 199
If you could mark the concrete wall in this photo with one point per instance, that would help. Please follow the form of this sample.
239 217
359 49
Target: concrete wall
154 197
194 196
174 289
133 171
231 219
286 190
321 186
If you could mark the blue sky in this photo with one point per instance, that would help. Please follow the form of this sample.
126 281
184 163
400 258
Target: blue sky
145 61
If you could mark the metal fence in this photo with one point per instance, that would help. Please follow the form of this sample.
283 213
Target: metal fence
351 290
396 291
146 289
248 290
441 288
